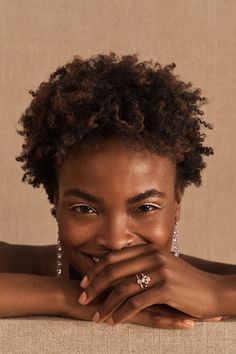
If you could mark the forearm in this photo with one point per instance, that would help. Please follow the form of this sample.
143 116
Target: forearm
227 295
25 295
209 266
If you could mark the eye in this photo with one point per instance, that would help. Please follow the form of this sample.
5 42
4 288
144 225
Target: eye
146 207
82 207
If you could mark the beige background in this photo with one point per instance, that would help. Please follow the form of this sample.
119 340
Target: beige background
198 35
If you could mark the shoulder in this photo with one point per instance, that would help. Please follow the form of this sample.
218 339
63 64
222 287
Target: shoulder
28 259
47 259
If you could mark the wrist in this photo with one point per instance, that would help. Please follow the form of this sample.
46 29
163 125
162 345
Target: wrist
58 297
66 296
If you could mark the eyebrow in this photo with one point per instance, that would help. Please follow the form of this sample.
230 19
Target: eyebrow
92 198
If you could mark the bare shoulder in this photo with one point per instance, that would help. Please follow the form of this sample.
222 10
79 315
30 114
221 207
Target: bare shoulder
208 265
47 259
28 259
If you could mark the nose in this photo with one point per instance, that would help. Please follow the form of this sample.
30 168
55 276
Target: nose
115 234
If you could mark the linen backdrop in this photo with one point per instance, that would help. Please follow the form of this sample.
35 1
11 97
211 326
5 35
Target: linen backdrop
198 35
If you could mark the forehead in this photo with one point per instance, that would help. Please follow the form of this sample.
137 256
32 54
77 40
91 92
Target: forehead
111 164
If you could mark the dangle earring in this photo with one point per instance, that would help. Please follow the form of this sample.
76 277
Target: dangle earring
59 250
175 241
59 258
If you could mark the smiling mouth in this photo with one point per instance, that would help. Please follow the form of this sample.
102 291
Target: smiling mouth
95 259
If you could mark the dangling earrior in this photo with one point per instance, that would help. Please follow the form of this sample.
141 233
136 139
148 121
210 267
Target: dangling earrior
175 241
59 250
59 258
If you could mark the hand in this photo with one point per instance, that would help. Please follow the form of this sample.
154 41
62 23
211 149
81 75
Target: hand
70 290
174 282
154 316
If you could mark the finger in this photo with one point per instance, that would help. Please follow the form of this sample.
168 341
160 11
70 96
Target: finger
181 315
121 270
112 302
147 318
168 310
115 257
130 300
81 262
117 296
212 319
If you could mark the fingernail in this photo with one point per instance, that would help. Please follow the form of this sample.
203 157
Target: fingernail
188 323
110 321
84 282
96 317
83 298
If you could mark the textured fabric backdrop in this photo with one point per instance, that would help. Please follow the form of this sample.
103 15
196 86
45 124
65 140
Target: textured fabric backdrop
198 35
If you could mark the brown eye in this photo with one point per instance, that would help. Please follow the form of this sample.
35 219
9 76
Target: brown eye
148 207
83 209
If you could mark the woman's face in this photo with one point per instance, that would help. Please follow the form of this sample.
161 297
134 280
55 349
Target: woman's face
112 198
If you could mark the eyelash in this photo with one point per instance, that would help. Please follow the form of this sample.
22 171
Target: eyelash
155 206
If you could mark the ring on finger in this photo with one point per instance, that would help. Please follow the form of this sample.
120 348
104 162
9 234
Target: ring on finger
143 282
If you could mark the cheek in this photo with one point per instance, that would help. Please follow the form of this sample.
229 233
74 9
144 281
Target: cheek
160 230
161 236
71 234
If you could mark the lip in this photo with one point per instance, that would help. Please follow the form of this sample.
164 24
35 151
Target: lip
98 255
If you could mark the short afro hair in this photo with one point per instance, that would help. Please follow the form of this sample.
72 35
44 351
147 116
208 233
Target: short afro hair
143 103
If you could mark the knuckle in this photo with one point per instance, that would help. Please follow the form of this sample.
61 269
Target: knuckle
134 303
111 272
166 275
120 290
109 258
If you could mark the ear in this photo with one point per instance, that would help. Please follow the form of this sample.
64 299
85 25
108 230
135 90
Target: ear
178 198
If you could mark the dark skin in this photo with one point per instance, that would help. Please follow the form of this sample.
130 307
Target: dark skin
129 237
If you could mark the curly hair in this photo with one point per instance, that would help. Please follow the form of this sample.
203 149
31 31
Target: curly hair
87 101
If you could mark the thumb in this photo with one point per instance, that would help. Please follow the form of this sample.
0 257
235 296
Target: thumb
82 263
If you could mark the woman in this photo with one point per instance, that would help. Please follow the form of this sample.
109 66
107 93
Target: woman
115 142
